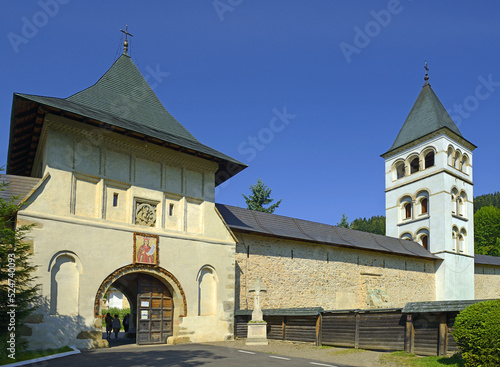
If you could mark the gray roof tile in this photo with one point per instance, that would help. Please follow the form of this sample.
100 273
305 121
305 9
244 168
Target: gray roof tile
486 260
426 116
438 306
124 93
18 187
245 220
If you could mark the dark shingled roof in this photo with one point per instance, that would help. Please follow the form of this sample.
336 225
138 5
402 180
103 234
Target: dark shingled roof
438 306
427 115
486 260
123 101
239 219
18 186
124 93
306 311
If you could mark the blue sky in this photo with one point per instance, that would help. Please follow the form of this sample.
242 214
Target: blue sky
343 76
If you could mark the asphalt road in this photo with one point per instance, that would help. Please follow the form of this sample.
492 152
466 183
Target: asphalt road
183 355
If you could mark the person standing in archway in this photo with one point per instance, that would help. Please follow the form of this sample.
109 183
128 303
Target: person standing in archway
116 326
109 321
126 321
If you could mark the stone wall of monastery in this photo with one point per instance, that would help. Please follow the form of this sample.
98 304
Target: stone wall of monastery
487 282
301 274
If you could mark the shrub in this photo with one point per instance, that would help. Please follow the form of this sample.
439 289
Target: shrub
477 332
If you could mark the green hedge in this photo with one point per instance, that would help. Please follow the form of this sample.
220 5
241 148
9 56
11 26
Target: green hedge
477 332
115 311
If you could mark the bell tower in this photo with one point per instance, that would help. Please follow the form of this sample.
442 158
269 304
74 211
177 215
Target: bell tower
429 192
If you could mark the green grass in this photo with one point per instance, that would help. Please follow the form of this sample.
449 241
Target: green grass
32 354
410 360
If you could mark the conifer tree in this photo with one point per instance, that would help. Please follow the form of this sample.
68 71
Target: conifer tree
259 197
18 295
344 222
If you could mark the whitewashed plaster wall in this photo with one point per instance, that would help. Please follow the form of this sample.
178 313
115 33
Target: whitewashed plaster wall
77 216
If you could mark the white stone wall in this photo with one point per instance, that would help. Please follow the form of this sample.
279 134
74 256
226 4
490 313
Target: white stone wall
78 221
455 276
330 277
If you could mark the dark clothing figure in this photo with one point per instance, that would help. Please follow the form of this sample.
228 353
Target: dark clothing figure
126 320
109 321
116 326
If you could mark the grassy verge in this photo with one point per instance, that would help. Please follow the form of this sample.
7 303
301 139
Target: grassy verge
32 354
410 360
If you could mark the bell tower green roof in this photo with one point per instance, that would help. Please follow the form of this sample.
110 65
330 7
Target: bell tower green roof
427 115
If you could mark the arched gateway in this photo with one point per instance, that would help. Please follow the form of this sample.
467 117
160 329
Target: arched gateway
156 298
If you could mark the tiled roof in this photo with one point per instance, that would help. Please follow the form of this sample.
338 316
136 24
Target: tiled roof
239 219
18 186
130 125
438 306
124 93
122 101
486 260
426 116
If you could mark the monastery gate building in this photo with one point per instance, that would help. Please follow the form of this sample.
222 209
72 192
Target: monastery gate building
122 195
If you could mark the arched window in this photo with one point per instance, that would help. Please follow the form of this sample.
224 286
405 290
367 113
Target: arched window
407 236
400 170
465 164
456 161
451 155
407 210
454 198
461 240
414 165
429 159
460 207
454 237
424 206
425 241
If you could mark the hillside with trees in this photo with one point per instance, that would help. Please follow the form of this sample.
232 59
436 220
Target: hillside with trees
487 200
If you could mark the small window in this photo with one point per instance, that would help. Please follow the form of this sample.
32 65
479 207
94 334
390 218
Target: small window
171 210
400 170
115 199
460 207
414 165
424 206
425 241
460 243
429 159
407 210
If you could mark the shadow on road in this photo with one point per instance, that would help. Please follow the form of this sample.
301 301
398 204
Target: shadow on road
144 356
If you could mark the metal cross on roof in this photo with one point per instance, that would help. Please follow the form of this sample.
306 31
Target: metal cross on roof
258 287
125 44
426 78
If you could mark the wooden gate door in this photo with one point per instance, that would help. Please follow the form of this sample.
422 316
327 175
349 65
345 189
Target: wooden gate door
154 311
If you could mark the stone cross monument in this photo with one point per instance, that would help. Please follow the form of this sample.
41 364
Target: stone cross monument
256 289
257 327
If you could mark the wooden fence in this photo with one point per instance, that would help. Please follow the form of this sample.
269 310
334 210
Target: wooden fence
302 328
387 329
379 329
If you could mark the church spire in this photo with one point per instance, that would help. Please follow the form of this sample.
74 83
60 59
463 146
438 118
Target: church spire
125 44
426 78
